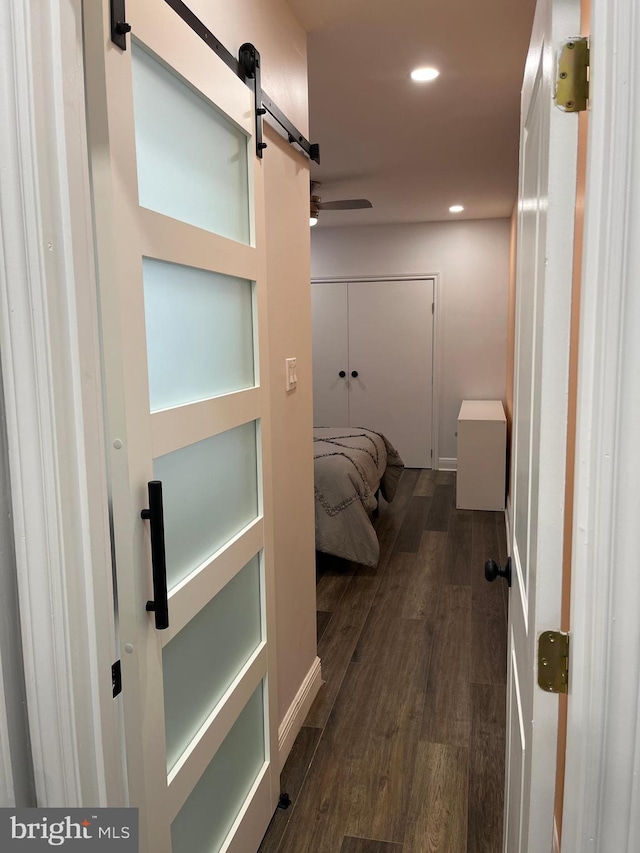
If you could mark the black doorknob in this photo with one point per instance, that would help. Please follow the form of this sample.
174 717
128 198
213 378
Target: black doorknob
342 374
354 373
492 571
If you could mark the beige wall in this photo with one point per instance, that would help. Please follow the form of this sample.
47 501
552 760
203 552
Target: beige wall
272 28
511 316
287 190
511 335
472 258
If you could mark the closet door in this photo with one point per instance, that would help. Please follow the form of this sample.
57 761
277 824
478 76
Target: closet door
391 354
330 355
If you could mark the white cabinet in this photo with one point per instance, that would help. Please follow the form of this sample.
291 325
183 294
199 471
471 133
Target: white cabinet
373 361
482 455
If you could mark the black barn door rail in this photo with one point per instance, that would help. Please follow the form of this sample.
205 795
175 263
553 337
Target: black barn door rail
247 67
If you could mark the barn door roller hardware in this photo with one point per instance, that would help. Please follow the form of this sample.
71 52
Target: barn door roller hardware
572 84
249 59
247 67
119 25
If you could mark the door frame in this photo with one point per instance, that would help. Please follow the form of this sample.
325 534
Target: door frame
532 717
436 383
54 408
602 795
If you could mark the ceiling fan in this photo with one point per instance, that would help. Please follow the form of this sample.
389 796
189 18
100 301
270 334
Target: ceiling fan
342 204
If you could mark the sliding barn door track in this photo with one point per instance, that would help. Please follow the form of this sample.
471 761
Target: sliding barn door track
246 67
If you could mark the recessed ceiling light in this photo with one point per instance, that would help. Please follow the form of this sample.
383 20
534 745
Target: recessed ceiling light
456 208
423 75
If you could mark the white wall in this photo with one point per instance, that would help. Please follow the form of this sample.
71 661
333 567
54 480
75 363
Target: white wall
271 26
472 258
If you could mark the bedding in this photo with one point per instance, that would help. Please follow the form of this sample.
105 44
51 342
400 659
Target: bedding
350 465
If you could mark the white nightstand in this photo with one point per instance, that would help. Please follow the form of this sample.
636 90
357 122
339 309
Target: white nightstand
482 455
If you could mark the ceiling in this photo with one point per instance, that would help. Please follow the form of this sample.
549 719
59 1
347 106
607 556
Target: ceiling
414 149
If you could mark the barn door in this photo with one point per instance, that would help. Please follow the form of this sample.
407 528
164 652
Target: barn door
179 222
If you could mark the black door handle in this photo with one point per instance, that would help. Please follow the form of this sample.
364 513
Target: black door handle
342 374
354 373
155 515
492 571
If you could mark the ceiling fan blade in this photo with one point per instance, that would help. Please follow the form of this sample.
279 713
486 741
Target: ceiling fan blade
345 204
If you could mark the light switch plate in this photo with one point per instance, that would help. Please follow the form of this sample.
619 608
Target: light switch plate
290 374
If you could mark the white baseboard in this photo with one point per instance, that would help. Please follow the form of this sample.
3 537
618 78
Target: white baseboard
298 710
447 464
556 840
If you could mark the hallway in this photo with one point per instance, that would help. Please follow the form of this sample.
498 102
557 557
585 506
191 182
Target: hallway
403 749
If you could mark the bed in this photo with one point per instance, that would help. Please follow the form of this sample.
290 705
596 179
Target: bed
350 466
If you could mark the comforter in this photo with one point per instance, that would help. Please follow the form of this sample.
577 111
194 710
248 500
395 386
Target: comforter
350 465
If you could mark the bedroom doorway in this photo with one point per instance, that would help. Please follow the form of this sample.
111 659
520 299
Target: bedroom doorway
373 358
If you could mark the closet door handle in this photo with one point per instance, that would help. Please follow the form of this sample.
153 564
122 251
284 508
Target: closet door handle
342 374
155 515
354 373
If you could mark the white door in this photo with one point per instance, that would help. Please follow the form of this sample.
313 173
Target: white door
546 208
373 361
330 319
391 363
178 198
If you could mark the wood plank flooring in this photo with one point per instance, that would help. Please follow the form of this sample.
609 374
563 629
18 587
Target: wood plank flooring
403 748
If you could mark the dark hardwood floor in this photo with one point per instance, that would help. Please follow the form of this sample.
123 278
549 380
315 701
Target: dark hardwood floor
403 748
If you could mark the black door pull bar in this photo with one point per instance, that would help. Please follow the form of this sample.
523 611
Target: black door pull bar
155 515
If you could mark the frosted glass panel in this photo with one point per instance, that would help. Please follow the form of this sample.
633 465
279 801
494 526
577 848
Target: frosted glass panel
202 660
210 492
207 816
192 161
199 333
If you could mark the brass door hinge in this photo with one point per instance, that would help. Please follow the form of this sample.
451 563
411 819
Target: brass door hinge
553 661
572 84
